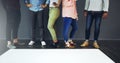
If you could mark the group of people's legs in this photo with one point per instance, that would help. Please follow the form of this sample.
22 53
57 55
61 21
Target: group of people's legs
69 16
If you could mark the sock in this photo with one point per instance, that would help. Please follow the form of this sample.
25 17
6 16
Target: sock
70 40
87 40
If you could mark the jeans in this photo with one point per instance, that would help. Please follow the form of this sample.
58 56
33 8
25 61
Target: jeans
67 22
38 23
93 16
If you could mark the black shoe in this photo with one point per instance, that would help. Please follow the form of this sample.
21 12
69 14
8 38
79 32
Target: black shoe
55 45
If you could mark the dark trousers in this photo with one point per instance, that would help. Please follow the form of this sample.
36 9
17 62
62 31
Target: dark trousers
13 21
93 16
67 23
38 23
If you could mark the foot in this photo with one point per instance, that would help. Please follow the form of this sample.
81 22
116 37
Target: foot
10 46
55 45
95 44
85 44
43 44
31 43
69 44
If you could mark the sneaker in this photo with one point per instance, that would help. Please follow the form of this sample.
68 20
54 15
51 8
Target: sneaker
10 46
43 44
85 44
95 44
69 44
31 43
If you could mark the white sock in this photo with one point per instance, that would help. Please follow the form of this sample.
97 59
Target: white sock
86 40
69 39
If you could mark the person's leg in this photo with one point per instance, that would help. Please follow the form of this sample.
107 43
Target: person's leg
45 16
67 23
34 26
41 27
16 23
89 21
74 28
98 18
34 20
9 24
40 23
9 27
53 15
72 33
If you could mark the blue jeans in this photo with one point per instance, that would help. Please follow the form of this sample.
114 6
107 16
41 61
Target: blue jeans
67 23
91 16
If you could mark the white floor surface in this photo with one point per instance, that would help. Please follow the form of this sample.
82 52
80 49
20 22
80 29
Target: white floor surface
54 56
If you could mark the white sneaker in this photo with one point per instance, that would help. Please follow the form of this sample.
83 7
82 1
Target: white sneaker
31 43
10 46
67 44
43 43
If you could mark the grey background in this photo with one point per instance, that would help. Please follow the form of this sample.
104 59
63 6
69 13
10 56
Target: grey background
109 27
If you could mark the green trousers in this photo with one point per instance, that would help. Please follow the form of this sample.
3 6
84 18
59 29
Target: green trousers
54 13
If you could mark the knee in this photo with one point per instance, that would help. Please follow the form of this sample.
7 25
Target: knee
76 29
50 27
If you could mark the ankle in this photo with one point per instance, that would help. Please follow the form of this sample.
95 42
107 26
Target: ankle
55 41
65 41
15 40
70 40
86 40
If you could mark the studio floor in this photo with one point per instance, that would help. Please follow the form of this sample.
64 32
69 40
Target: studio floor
109 52
55 56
